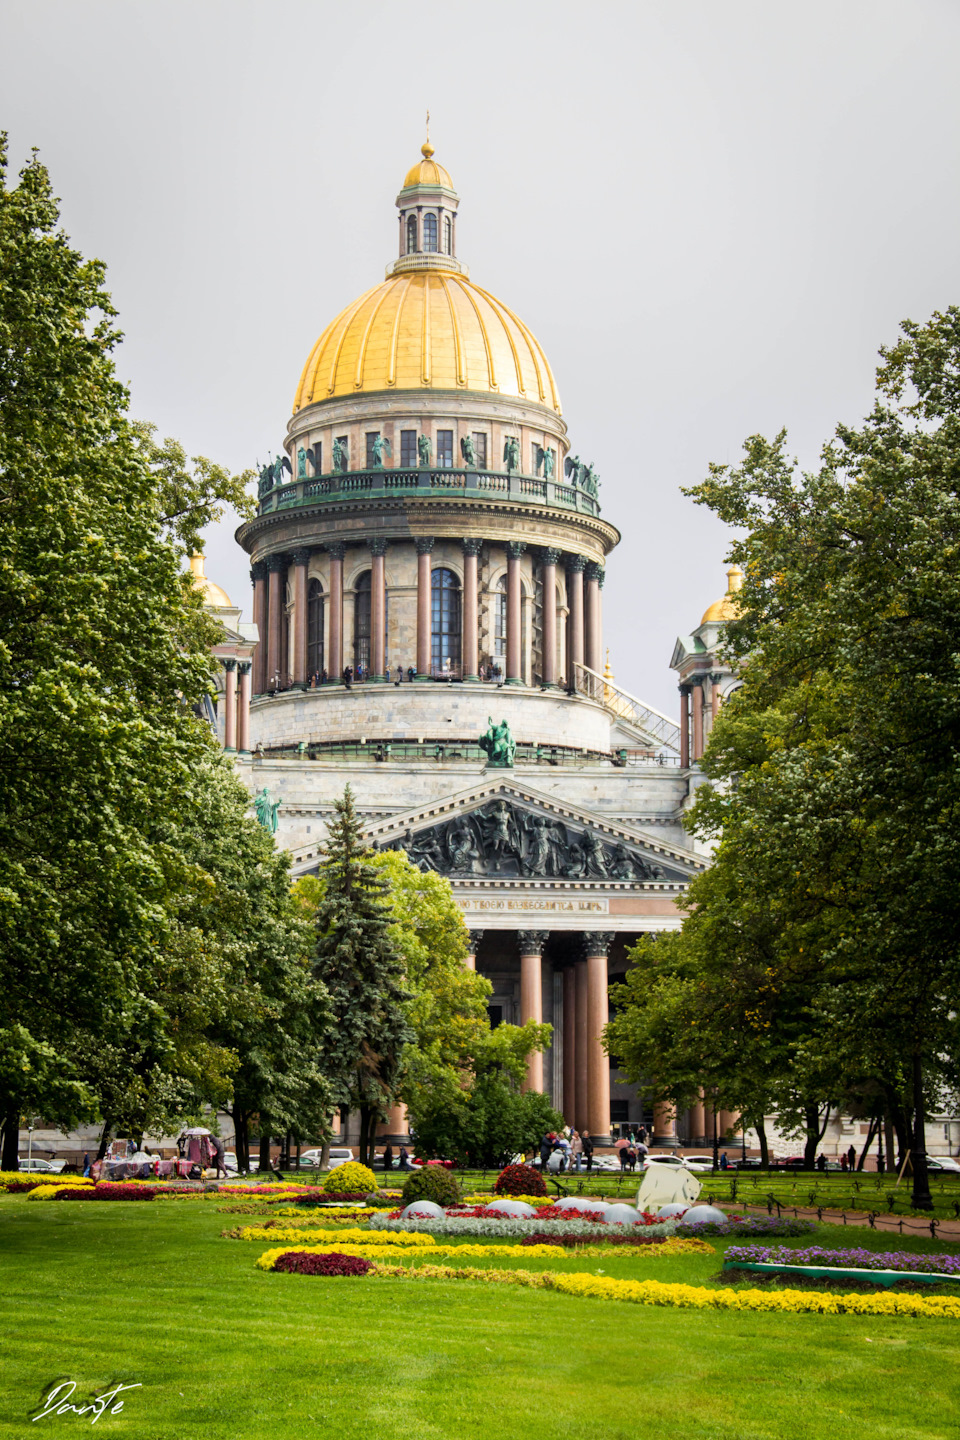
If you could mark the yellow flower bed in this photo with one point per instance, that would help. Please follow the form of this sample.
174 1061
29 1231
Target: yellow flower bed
688 1297
375 1239
49 1188
501 1252
343 1215
8 1177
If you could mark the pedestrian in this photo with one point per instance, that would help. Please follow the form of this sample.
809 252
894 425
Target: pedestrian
631 1155
399 674
642 1134
852 1158
576 1148
86 1162
410 673
404 1159
323 676
216 1145
843 1163
821 1161
388 1157
622 1146
642 1153
724 1162
546 1149
587 1150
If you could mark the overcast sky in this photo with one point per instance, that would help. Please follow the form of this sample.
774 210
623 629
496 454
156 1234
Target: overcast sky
711 214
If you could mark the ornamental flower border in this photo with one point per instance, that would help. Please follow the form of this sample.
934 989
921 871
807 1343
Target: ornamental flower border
844 1259
514 1229
267 1261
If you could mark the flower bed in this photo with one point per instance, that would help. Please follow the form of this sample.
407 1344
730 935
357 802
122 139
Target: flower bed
753 1225
302 1262
267 1261
20 1182
517 1180
511 1229
610 1237
687 1297
104 1190
852 1258
342 1237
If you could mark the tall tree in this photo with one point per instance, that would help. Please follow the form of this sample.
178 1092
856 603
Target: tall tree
362 968
835 762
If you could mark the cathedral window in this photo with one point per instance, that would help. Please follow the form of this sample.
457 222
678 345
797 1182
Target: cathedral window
315 627
445 449
361 621
480 448
430 234
411 234
408 449
500 620
447 235
445 615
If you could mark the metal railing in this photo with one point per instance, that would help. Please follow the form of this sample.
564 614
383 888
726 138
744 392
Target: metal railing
378 484
643 717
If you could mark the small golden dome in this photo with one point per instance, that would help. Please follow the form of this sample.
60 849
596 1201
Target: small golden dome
428 172
423 330
726 607
213 597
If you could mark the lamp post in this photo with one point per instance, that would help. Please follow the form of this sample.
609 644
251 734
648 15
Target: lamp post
29 1146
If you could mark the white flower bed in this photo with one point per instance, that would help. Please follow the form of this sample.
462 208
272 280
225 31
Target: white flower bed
516 1229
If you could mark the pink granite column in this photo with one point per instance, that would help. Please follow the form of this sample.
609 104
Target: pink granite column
243 737
598 1063
531 997
698 1133
424 601
575 568
570 1045
276 566
258 574
591 620
697 717
470 644
582 1030
664 1125
230 705
335 666
714 697
378 610
471 957
515 549
549 589
300 560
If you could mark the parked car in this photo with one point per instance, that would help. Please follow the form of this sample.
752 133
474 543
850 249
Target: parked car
749 1162
676 1162
942 1165
36 1166
698 1163
230 1161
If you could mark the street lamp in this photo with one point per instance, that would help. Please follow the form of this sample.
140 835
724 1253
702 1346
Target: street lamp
30 1147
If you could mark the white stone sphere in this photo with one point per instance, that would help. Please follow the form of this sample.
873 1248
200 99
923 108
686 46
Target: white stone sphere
622 1215
676 1207
580 1202
512 1209
422 1210
702 1214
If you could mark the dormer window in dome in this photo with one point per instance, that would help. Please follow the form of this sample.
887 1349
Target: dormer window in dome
430 234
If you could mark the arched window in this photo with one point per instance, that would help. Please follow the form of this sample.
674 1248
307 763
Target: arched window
430 233
315 628
445 646
447 235
411 234
361 622
500 620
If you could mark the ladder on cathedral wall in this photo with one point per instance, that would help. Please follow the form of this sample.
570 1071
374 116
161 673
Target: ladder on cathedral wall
651 723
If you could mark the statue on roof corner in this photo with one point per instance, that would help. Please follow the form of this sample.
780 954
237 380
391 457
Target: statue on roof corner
499 744
468 452
266 809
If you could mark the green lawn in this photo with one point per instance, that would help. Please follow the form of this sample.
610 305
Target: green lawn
148 1293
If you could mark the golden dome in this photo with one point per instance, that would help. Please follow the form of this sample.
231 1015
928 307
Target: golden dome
427 329
726 607
213 596
428 172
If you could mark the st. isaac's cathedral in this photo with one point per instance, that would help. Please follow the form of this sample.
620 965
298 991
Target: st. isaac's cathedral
428 559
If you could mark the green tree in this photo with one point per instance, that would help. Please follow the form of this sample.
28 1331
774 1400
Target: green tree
362 968
834 765
104 656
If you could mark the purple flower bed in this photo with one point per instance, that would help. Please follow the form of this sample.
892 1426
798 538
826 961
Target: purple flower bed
298 1262
856 1259
751 1225
571 1242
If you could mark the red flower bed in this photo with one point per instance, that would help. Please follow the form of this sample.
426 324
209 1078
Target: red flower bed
298 1262
519 1180
571 1242
108 1190
356 1196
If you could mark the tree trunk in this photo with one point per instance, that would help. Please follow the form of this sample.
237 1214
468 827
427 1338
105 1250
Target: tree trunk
871 1131
9 1157
241 1140
761 1130
104 1140
264 1146
814 1134
325 1155
366 1125
888 1138
921 1198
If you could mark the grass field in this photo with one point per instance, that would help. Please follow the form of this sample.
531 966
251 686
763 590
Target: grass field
148 1294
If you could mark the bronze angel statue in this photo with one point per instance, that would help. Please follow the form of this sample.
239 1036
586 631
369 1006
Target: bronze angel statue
379 445
572 469
511 454
545 458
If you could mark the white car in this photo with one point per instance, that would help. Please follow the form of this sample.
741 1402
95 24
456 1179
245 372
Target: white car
338 1156
37 1166
944 1164
696 1163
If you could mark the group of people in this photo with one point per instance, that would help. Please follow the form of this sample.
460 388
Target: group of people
566 1150
403 1156
632 1149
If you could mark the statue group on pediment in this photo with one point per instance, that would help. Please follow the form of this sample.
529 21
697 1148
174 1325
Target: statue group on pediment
503 840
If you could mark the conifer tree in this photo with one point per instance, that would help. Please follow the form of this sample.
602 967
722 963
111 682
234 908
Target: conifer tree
362 969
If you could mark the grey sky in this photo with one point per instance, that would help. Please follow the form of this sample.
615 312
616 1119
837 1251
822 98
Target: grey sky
711 215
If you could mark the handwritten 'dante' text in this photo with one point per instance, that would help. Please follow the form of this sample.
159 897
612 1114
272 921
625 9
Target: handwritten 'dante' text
60 1402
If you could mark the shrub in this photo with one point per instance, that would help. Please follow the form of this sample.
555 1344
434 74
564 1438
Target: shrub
433 1184
520 1180
351 1178
299 1262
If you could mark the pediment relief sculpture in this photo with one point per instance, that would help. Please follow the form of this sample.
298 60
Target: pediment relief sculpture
504 840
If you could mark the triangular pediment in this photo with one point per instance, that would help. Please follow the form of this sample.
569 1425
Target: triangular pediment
505 831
